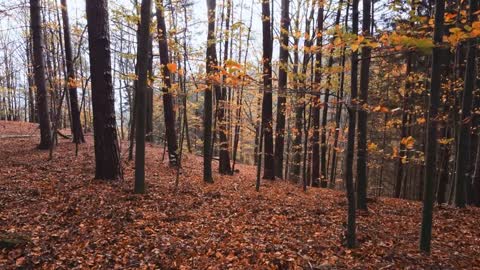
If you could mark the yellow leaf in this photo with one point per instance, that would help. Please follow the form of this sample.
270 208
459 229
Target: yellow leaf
445 141
354 47
372 147
408 142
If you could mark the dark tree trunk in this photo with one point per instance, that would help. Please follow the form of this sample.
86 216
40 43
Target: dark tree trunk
351 227
403 130
168 111
300 102
338 113
76 127
431 142
149 93
317 102
267 121
211 59
476 178
444 171
362 113
143 49
323 143
282 88
221 95
107 154
39 75
32 116
464 139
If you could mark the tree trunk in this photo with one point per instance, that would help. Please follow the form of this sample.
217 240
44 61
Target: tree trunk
431 145
39 75
323 143
143 49
403 129
168 111
362 113
351 227
267 121
32 116
107 154
149 93
76 127
207 117
282 88
464 138
316 101
224 162
338 113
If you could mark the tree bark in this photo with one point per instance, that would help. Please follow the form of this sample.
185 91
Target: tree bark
143 49
72 84
267 120
208 108
282 88
168 112
107 154
39 75
362 112
464 139
403 129
431 146
350 190
149 93
316 101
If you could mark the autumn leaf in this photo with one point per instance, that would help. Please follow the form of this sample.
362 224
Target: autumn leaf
172 67
395 152
445 141
421 120
408 142
372 147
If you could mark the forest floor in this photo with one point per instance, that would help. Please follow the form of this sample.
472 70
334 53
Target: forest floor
54 215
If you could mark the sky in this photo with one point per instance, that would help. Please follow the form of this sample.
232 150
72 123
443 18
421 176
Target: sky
13 15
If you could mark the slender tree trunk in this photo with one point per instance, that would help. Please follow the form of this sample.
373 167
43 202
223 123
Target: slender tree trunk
362 113
76 127
403 129
300 102
338 113
211 60
351 227
224 162
323 154
267 120
282 87
464 138
32 116
316 101
444 172
39 73
169 113
107 154
476 178
431 145
149 93
143 50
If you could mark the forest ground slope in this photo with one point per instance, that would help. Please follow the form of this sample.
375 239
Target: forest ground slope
54 215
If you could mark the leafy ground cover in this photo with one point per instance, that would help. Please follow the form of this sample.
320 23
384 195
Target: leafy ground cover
54 215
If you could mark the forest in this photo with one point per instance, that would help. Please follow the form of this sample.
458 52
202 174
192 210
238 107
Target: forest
239 134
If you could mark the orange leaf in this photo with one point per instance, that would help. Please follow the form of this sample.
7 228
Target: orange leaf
172 67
